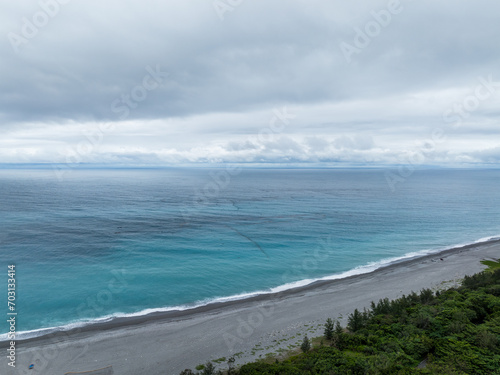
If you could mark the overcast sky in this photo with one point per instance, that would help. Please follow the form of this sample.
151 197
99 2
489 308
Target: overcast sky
253 81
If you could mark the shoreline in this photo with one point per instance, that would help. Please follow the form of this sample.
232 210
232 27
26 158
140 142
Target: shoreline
316 285
167 343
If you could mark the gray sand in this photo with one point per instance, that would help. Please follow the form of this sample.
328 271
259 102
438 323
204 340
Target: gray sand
168 344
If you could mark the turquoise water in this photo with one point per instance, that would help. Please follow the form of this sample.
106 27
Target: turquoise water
115 242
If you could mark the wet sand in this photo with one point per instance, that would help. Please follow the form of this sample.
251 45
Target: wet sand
167 343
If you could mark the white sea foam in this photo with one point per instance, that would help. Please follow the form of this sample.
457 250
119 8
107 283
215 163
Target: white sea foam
370 267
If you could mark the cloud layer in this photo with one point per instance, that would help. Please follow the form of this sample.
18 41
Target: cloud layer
187 82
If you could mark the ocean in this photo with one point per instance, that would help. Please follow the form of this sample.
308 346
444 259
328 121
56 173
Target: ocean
99 243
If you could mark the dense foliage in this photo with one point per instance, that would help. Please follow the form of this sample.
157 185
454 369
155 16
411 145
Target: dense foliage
454 332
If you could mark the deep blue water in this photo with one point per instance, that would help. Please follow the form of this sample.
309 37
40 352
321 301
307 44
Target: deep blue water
104 242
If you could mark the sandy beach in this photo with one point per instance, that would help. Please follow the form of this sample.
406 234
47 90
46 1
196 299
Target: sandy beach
167 343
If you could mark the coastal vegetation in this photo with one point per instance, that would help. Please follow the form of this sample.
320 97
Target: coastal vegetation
492 265
306 345
452 332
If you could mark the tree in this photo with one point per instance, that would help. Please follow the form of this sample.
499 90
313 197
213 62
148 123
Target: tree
338 336
329 329
306 345
355 321
338 328
209 369
230 365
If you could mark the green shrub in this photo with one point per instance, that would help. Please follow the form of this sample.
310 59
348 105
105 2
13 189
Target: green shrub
329 329
306 344
456 331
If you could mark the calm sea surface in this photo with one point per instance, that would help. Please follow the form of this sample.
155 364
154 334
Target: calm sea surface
100 243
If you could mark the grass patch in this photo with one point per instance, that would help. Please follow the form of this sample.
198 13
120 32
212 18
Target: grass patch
491 264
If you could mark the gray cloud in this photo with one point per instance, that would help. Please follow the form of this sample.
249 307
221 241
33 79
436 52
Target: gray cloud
226 77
